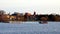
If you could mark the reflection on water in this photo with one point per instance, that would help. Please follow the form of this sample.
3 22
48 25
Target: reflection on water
30 28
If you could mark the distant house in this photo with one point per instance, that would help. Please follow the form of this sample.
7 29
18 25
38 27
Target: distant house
44 19
17 17
12 18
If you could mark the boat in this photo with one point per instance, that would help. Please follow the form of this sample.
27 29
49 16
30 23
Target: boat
43 22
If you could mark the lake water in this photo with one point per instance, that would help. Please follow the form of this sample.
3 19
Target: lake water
30 28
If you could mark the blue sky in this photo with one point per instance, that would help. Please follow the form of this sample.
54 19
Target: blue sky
22 6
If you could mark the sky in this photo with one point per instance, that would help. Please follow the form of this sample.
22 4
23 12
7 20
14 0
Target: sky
22 6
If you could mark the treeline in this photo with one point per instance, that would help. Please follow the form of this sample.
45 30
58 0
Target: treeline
16 16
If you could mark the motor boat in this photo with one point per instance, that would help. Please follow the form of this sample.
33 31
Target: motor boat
43 22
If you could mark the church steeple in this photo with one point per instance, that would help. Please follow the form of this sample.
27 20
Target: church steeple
34 13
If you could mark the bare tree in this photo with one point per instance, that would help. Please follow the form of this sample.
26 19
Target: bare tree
2 12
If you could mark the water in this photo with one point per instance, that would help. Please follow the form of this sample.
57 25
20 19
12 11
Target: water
30 28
